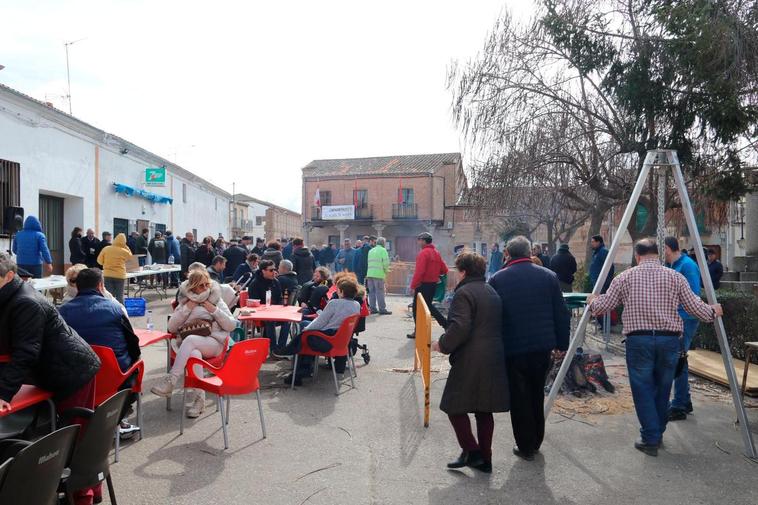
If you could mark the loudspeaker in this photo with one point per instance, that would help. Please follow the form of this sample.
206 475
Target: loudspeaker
13 219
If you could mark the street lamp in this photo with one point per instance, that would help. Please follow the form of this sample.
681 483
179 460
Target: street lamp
68 73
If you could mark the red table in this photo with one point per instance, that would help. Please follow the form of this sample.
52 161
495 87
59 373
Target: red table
150 337
28 396
271 314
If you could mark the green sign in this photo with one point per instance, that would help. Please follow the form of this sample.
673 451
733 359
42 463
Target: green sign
155 176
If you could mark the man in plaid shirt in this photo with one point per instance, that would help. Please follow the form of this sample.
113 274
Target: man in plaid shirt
650 294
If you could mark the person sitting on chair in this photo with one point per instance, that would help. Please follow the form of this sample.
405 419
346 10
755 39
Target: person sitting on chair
327 322
199 306
216 270
100 320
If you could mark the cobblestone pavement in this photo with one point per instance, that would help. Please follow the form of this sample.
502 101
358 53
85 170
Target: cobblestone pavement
368 446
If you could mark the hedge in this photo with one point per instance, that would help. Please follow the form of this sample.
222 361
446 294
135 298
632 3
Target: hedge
740 322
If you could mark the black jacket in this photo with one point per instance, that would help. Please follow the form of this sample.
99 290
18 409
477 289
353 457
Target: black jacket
43 349
187 253
259 286
564 266
535 317
327 256
235 256
205 255
91 249
215 276
289 284
303 264
76 249
312 295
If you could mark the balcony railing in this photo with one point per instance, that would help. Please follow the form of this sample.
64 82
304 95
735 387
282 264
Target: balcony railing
246 225
315 213
361 212
404 211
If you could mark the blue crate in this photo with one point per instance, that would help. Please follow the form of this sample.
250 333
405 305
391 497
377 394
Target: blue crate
135 307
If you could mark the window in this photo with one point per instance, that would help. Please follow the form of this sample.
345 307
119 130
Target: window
258 220
360 198
161 228
184 193
406 196
335 239
9 184
326 197
120 226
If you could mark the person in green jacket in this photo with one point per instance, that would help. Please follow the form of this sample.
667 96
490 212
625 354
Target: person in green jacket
378 266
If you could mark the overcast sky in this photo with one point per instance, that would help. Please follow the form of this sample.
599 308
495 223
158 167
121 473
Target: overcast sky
258 88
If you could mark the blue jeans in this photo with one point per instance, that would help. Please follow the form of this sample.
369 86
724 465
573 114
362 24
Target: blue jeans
651 362
682 400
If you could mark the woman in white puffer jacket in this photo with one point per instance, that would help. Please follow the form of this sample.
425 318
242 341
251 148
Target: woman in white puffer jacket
199 299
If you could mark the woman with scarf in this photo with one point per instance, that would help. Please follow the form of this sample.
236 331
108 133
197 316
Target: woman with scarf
199 299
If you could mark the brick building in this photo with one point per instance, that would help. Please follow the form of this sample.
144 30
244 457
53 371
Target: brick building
396 197
261 219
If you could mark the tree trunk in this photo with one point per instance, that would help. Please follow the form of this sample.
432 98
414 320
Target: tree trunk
551 236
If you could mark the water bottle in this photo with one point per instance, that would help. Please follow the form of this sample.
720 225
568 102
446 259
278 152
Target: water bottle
150 325
268 298
171 260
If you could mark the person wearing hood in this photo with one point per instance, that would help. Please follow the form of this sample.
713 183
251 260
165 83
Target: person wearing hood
30 248
564 266
114 258
265 280
76 248
200 299
273 253
303 261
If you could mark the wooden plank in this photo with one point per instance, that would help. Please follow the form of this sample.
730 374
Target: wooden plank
710 365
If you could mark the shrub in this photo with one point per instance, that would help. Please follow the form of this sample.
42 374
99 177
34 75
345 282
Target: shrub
740 322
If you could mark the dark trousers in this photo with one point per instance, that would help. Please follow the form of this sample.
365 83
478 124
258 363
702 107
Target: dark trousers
526 381
485 427
35 270
427 290
317 343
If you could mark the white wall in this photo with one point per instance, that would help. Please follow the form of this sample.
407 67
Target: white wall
257 210
59 159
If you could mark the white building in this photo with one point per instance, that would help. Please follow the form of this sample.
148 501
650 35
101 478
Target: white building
65 172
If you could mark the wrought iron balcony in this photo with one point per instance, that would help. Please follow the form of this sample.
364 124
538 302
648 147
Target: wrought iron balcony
404 211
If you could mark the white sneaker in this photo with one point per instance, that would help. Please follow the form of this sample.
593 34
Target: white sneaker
165 386
198 405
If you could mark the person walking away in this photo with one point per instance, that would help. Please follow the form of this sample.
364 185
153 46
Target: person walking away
235 255
100 320
681 404
477 382
651 295
327 257
43 350
142 244
76 248
715 268
302 261
30 248
429 268
91 246
535 322
206 252
175 256
344 261
361 258
496 260
201 303
273 253
113 258
378 266
599 254
564 266
187 251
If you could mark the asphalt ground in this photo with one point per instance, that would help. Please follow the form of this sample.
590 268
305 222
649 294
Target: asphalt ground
369 446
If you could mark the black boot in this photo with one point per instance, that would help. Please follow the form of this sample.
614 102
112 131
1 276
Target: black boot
460 462
468 458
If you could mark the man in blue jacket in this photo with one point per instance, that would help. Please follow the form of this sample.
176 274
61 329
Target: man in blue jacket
535 322
102 321
599 253
344 262
681 405
30 248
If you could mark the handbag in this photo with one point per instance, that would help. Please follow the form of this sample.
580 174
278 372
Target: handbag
682 362
200 327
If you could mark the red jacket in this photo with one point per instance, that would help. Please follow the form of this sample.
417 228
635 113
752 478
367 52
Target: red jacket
429 266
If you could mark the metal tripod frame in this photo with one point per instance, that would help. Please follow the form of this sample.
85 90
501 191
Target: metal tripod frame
663 159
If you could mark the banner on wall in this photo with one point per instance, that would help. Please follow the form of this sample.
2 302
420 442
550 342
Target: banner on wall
337 212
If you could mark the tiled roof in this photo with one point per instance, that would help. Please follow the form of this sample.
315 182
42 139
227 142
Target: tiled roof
382 165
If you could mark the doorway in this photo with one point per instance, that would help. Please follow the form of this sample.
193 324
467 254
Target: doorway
51 218
406 248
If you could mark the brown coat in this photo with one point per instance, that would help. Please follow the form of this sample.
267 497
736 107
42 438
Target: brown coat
477 380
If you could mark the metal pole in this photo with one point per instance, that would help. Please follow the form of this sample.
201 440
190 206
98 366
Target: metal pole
726 355
576 340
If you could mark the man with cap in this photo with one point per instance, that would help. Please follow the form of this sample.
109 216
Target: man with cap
429 268
564 266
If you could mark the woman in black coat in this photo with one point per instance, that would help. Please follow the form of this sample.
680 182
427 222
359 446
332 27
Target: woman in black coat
75 247
477 381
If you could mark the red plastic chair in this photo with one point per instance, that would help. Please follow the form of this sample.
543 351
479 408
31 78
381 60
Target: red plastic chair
340 342
237 376
109 379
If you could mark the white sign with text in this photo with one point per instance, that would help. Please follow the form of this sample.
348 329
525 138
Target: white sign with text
337 212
